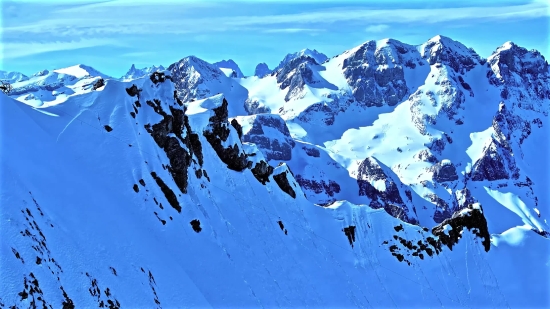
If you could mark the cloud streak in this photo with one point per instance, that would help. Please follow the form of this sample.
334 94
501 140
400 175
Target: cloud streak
292 30
115 18
377 28
19 50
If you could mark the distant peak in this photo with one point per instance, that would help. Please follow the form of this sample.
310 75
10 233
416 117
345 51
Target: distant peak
440 38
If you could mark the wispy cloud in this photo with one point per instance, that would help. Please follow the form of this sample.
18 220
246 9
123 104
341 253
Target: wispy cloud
531 10
19 50
292 30
116 18
377 28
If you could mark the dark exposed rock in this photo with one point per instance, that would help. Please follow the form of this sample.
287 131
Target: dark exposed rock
426 156
275 146
175 123
350 233
192 78
464 84
196 225
377 83
295 74
520 72
98 84
386 195
330 188
442 50
444 171
108 128
133 91
219 132
238 128
492 165
262 170
168 193
442 210
437 145
283 183
312 152
320 112
471 218
159 77
180 159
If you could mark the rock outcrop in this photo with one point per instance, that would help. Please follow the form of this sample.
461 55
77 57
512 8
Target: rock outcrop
270 133
383 188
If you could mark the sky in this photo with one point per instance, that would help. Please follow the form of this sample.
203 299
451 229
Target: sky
112 35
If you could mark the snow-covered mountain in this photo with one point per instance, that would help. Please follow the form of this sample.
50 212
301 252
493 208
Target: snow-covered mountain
12 77
390 175
54 87
317 56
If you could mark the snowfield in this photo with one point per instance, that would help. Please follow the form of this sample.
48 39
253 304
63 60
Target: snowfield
390 175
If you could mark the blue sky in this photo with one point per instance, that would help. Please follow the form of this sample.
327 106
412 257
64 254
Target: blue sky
112 35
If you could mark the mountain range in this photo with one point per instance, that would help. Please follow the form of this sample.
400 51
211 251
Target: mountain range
390 175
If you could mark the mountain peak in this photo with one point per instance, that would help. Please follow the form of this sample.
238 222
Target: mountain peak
80 71
261 70
319 57
444 50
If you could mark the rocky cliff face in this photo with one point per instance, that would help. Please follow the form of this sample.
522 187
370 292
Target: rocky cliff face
384 188
270 134
522 75
375 73
295 75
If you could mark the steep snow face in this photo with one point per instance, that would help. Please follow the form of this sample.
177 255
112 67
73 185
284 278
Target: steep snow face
12 77
196 79
134 73
231 67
